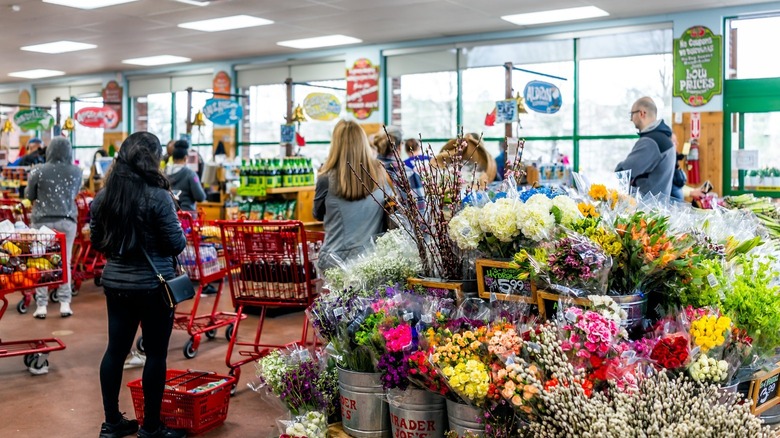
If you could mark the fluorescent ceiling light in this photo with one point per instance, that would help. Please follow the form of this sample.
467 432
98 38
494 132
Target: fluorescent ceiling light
59 47
195 2
157 60
555 16
324 41
88 4
226 23
36 74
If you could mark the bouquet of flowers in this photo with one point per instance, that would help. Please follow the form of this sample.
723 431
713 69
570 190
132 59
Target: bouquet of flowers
459 358
671 351
578 264
308 425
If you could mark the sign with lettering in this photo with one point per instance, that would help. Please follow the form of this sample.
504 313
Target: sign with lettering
542 97
362 88
223 111
34 119
764 391
745 159
287 133
97 117
322 106
499 280
112 98
698 69
220 85
506 111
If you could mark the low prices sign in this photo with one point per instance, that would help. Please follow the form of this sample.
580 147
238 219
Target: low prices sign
34 119
698 70
362 88
97 117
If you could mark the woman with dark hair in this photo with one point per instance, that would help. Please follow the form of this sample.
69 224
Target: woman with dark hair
135 212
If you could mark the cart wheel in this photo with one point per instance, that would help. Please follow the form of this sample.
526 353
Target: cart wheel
29 359
21 307
74 287
54 297
234 372
139 344
211 334
35 365
229 332
189 349
98 280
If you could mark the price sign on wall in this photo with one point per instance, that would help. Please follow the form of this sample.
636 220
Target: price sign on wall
764 390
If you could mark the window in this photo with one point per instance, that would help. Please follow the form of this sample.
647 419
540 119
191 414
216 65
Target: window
427 105
746 53
200 134
153 114
267 113
598 158
83 136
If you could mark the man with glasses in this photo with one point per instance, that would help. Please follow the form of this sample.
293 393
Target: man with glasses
652 159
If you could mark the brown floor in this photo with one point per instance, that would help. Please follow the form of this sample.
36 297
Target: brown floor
66 402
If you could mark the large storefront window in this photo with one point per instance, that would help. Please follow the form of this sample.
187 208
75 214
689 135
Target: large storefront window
201 135
153 114
427 105
598 158
747 55
267 113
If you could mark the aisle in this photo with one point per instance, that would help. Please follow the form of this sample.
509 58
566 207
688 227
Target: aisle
66 402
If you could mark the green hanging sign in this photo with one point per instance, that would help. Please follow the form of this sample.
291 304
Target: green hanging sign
698 66
34 119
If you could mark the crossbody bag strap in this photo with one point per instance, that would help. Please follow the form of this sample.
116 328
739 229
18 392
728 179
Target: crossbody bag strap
154 268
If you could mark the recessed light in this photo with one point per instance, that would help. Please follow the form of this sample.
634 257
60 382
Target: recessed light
195 2
557 15
324 41
157 60
226 23
36 73
88 4
59 47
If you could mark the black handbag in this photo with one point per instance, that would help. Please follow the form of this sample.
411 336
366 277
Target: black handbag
176 290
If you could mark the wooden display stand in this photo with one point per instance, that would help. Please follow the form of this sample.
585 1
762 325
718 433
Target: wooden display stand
765 390
304 205
455 287
545 299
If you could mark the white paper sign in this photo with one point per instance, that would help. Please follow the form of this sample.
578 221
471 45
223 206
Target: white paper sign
506 111
744 159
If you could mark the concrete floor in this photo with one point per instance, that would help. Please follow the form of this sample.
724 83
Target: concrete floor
66 402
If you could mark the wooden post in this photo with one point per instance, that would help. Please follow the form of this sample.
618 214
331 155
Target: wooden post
189 111
507 95
289 86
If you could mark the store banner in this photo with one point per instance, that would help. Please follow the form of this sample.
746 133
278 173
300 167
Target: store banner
97 117
112 98
362 89
322 106
223 111
542 97
34 119
698 66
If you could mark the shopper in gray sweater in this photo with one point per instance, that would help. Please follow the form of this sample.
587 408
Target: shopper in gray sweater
184 181
652 159
54 186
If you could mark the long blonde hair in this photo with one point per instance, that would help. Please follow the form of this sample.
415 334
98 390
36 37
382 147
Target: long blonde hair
349 146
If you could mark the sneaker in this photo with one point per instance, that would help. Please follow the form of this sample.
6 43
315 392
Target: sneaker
162 432
135 360
65 310
209 290
38 371
40 312
123 427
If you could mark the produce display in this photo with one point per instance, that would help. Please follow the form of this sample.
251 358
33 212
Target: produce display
29 257
766 211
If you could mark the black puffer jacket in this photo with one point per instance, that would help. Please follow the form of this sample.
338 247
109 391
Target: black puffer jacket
162 236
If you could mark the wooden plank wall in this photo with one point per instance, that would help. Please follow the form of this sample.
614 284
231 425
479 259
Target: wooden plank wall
710 146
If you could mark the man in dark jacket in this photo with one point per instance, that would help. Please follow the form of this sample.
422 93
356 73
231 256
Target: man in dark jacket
652 159
54 187
184 181
34 155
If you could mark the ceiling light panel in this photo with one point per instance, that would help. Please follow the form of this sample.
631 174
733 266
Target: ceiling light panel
226 23
58 47
555 16
156 60
88 4
36 73
324 41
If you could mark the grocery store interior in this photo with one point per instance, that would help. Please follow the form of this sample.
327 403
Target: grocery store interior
97 70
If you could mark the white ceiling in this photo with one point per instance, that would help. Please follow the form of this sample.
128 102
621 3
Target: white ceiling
148 27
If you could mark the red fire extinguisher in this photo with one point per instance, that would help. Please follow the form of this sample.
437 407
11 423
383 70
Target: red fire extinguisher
693 163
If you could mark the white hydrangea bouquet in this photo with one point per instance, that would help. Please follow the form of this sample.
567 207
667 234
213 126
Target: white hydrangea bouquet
502 227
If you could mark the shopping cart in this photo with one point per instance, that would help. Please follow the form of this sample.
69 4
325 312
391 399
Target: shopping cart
29 260
87 262
204 262
269 265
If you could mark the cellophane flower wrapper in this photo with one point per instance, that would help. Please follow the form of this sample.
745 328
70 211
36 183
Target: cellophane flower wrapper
737 353
578 266
460 358
312 424
672 347
519 383
357 344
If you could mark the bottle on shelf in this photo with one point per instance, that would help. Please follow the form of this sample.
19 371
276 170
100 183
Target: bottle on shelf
243 177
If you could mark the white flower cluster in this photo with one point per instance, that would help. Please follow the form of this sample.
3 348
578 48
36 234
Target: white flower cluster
611 310
499 218
309 425
465 230
707 369
570 213
534 218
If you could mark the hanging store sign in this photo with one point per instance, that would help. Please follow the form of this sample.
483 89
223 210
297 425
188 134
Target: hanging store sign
112 94
698 70
542 97
223 111
506 111
362 88
287 133
97 117
221 85
34 119
322 106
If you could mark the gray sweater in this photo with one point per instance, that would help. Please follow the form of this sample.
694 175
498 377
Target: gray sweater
349 225
54 185
651 169
184 179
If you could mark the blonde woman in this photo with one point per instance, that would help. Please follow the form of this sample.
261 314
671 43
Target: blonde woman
344 200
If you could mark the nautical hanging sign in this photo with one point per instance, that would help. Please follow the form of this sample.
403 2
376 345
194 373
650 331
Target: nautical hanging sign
322 106
542 97
34 119
223 111
97 117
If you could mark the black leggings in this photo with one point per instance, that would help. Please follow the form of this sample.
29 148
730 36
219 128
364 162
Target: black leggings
126 309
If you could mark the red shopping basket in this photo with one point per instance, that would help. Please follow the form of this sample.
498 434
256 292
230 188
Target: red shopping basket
193 400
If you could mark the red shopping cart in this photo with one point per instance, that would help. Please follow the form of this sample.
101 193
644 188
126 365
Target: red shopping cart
29 259
269 266
87 262
204 262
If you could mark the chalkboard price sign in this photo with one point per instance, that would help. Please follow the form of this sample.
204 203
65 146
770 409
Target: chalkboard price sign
504 281
764 390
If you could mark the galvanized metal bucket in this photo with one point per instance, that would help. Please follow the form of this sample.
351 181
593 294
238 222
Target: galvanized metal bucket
364 412
417 413
635 306
464 418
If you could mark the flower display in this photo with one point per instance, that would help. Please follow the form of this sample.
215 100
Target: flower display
535 220
707 369
576 262
671 352
503 340
465 229
397 338
710 331
499 218
424 375
588 210
521 386
310 425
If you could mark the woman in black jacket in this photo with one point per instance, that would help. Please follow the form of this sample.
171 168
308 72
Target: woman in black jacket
136 211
